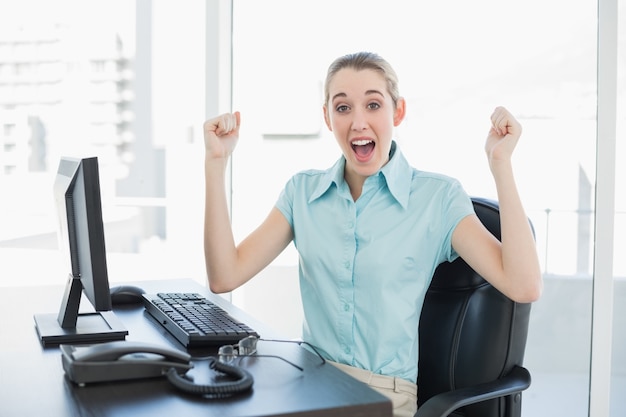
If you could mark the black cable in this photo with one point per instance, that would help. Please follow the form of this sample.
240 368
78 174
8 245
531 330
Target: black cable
242 383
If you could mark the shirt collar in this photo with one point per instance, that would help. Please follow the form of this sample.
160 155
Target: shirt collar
397 173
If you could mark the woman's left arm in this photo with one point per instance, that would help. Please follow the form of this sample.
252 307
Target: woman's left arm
512 265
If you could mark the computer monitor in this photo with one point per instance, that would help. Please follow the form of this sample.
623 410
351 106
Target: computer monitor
81 240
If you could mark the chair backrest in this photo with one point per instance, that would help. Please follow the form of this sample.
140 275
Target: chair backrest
469 332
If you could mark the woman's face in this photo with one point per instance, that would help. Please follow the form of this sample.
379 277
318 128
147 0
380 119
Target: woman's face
361 114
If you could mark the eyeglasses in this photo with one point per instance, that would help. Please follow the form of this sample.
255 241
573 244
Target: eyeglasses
248 347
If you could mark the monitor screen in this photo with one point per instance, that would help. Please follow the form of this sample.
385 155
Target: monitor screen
81 230
82 244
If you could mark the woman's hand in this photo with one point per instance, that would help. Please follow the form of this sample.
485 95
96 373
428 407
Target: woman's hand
503 135
221 134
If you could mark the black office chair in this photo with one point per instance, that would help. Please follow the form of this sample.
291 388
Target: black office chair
472 341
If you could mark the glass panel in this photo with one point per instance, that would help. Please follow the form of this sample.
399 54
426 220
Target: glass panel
96 81
456 61
618 380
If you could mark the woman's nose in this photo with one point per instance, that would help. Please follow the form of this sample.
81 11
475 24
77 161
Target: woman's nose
359 120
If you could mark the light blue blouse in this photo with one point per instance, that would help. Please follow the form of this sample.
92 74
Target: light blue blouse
365 266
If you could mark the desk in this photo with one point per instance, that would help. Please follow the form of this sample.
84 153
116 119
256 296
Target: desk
33 383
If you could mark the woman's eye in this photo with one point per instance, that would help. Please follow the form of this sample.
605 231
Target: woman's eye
342 108
373 106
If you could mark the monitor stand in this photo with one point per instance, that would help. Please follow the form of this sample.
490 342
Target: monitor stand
68 326
90 328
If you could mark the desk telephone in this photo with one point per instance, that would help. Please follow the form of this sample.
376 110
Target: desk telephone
123 360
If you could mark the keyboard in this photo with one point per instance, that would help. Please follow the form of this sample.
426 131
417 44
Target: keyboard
194 320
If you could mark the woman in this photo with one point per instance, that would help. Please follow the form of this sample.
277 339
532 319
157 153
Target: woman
371 230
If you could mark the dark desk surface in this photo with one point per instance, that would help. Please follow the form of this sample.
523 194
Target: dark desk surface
33 383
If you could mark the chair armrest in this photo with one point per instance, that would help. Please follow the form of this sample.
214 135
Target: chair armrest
443 404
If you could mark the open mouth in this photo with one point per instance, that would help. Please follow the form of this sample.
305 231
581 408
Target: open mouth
363 149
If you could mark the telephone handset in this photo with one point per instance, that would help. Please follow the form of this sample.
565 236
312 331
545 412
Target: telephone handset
120 360
123 360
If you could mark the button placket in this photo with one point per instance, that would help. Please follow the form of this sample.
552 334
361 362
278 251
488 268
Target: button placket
345 310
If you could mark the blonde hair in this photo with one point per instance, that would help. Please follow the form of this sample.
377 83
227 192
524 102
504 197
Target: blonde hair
361 61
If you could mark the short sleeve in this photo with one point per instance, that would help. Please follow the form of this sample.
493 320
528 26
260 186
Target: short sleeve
458 206
286 199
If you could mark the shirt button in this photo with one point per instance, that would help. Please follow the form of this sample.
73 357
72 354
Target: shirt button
346 264
346 307
346 349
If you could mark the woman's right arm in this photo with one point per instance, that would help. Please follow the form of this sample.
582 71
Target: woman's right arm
228 265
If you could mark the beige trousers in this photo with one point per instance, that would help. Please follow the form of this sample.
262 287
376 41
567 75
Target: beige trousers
402 393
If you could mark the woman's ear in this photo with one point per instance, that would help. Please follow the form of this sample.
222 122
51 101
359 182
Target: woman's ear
327 118
400 111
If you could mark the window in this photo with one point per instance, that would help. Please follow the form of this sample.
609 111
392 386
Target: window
141 139
456 61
